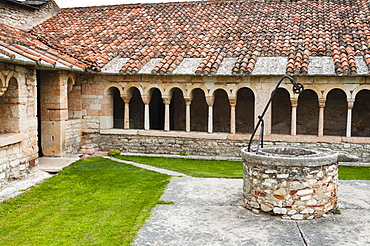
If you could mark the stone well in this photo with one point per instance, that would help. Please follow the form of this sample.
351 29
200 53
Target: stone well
294 183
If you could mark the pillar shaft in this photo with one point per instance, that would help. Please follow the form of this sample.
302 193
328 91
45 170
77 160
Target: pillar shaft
146 101
350 103
293 130
210 101
187 117
166 102
321 117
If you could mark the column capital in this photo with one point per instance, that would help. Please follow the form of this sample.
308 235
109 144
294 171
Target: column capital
2 90
166 100
126 98
232 101
350 103
210 100
294 102
187 100
322 102
146 98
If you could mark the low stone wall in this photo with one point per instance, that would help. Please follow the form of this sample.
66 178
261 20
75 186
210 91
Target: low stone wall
13 163
205 144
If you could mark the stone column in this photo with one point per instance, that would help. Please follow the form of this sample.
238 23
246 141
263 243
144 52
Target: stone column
321 116
54 112
210 101
188 103
146 101
293 130
350 103
232 101
126 117
166 102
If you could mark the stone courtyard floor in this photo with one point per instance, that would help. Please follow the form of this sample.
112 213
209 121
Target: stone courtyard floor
208 211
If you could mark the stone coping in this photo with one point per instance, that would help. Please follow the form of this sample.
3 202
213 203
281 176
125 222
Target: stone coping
289 156
11 138
239 136
218 135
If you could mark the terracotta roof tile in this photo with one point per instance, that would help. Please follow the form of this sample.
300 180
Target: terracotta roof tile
214 30
21 46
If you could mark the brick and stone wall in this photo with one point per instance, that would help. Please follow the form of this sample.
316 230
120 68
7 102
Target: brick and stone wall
22 17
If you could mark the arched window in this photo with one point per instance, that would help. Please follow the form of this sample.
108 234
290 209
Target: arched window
118 109
361 114
74 100
281 112
136 110
9 108
156 110
177 111
308 113
221 112
244 110
335 113
198 111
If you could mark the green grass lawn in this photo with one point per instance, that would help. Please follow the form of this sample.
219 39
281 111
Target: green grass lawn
92 202
193 167
226 169
353 172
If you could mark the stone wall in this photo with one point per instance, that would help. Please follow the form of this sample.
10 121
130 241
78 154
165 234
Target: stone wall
23 17
204 144
18 140
73 136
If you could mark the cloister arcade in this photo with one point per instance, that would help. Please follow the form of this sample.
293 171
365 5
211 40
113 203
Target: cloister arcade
334 112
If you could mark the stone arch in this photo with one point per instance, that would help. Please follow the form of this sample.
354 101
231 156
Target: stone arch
281 112
335 113
220 87
10 108
308 113
198 110
177 110
171 88
150 88
244 110
313 88
221 111
358 89
130 87
250 86
361 114
116 107
115 85
343 88
196 87
156 109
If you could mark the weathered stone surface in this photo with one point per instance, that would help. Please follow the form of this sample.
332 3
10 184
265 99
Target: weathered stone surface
297 217
266 208
301 195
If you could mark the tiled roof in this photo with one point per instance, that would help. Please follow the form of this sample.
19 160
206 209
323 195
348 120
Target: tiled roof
20 46
234 37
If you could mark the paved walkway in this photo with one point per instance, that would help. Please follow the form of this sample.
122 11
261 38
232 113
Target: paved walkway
209 211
